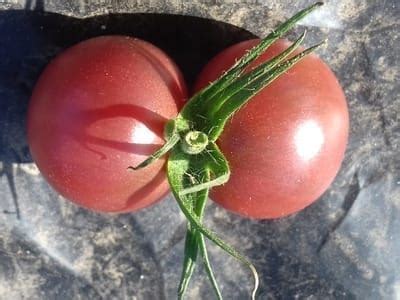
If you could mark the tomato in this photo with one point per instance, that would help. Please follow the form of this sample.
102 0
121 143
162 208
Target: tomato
286 145
99 107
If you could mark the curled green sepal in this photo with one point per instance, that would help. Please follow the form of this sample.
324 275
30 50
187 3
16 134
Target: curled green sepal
181 170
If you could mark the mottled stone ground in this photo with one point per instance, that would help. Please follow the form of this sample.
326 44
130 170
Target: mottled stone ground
345 246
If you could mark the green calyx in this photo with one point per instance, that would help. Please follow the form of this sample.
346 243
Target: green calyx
195 163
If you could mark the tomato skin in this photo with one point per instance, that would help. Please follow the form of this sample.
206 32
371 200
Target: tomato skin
99 107
286 145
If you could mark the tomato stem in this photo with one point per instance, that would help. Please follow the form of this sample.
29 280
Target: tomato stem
194 142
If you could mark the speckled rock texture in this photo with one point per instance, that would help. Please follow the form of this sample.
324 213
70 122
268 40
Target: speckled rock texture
345 246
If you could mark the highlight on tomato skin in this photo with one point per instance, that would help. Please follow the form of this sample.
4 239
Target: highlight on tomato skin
286 145
99 107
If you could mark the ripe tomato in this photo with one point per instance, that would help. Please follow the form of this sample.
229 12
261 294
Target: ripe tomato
286 145
98 108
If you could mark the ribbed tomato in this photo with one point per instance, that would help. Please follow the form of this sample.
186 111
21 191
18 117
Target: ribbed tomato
286 145
99 107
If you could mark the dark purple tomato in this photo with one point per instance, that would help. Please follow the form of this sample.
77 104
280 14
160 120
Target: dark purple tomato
99 107
286 145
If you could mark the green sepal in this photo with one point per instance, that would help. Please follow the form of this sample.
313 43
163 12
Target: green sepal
181 174
241 83
249 86
172 138
195 203
203 250
189 261
194 109
159 153
192 246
